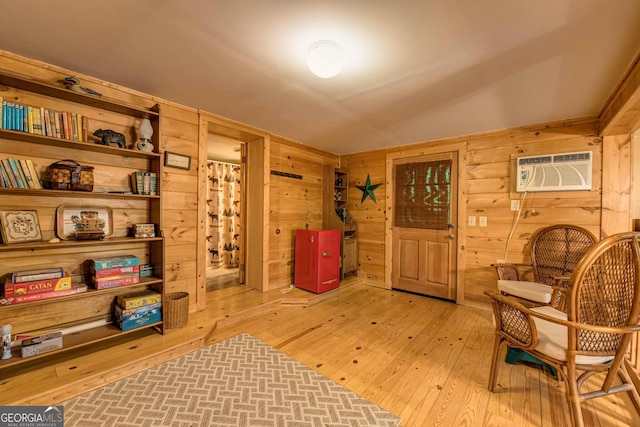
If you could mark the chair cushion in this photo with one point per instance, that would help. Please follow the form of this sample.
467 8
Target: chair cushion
553 338
532 291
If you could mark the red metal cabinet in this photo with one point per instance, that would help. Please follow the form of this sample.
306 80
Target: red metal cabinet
317 262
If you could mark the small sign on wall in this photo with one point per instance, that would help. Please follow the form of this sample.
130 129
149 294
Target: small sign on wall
175 160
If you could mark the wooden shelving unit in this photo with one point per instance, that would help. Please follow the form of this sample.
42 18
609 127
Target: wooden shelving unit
112 169
336 216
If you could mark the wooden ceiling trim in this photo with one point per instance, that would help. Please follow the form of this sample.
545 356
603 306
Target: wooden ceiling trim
621 114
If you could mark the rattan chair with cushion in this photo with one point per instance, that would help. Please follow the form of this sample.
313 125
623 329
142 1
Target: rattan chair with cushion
555 250
603 308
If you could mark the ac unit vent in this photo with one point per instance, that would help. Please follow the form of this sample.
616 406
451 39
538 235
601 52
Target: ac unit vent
558 172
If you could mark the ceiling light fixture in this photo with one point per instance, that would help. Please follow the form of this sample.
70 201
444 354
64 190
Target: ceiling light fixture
325 58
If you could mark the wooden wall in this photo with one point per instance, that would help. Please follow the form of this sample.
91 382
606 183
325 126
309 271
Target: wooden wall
294 203
490 162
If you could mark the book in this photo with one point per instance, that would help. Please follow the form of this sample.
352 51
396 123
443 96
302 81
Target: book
68 117
27 174
4 182
45 130
76 288
23 123
30 122
34 175
146 183
137 183
56 116
1 113
112 262
65 128
85 129
16 173
10 175
114 283
21 172
116 271
4 113
74 126
51 121
154 184
38 274
36 287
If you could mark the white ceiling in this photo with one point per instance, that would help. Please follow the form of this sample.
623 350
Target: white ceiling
420 70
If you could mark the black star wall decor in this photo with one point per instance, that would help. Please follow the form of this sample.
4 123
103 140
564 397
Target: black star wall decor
367 189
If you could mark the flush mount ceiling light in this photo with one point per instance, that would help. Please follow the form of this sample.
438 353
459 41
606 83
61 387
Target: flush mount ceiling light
325 58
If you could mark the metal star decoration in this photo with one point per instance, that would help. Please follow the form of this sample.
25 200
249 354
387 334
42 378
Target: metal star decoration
367 189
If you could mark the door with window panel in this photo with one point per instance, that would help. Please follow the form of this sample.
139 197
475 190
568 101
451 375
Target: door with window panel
423 233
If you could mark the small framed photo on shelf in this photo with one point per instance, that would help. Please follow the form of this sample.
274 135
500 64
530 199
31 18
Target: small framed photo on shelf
20 226
176 160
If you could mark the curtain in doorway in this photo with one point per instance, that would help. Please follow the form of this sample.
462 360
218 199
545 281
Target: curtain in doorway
223 214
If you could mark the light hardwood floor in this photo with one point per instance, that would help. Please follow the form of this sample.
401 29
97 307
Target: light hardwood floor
423 359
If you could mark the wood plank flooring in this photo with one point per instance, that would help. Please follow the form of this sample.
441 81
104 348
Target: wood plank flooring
423 359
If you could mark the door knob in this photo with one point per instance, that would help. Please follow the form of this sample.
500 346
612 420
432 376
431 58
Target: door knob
451 236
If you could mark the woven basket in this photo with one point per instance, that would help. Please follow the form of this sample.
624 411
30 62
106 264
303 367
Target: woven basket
176 309
69 175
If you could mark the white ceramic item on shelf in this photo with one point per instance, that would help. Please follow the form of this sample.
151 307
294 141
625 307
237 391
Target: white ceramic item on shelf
144 146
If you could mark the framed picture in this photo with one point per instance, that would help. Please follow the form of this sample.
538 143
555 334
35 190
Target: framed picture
20 226
83 222
176 160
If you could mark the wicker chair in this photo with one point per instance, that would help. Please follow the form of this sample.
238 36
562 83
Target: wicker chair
593 335
555 250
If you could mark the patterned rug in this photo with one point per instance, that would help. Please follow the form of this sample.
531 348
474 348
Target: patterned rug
240 381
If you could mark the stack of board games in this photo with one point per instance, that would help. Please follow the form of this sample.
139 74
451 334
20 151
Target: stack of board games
35 285
138 309
112 272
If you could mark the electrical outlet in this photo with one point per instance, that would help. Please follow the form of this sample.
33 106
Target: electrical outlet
472 221
515 205
483 221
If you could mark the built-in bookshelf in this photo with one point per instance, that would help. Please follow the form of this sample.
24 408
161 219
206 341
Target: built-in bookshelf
113 168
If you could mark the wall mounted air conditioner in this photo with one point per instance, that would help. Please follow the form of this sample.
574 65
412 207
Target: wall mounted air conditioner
554 172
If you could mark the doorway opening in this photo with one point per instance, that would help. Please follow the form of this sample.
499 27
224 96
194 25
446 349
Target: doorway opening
224 201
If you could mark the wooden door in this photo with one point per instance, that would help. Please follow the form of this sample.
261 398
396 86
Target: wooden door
423 233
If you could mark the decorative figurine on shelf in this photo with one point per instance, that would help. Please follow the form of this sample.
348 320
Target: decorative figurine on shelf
73 83
146 132
110 137
6 341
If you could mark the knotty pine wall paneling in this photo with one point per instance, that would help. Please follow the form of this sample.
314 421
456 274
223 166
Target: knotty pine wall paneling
369 216
180 128
294 203
490 163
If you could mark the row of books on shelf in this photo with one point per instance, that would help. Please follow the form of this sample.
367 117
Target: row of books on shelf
144 183
44 121
35 285
17 173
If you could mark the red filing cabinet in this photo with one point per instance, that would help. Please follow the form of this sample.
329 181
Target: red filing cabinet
317 262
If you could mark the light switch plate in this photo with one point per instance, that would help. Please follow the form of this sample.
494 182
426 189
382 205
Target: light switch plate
483 221
472 221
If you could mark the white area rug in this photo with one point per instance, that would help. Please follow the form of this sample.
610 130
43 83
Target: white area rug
237 382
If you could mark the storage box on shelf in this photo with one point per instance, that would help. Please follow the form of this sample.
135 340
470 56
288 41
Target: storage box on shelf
336 215
112 169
